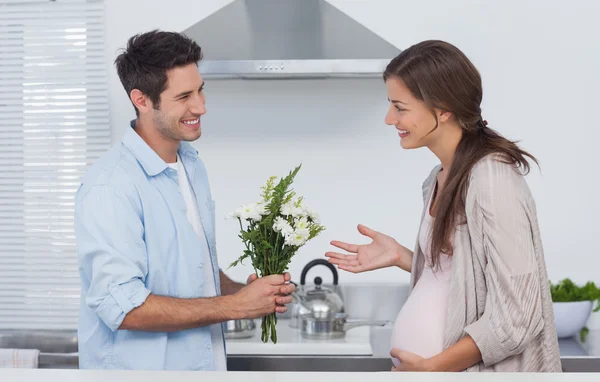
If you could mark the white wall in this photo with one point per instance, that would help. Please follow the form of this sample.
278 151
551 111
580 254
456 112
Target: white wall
539 61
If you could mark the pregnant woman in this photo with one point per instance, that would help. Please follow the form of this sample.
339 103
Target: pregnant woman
480 299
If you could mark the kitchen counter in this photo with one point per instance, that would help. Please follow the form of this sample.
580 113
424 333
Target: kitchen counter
331 357
24 375
575 356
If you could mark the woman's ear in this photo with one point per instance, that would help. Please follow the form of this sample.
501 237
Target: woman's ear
443 115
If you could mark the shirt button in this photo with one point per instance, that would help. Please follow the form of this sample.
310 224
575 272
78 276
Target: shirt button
201 266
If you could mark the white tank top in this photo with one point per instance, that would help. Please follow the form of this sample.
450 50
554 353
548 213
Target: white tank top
419 327
193 215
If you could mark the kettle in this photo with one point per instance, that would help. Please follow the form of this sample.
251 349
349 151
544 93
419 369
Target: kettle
318 301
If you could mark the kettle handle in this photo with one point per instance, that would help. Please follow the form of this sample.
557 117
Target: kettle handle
319 262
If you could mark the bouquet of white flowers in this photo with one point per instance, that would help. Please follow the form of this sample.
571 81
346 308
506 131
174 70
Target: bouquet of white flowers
273 229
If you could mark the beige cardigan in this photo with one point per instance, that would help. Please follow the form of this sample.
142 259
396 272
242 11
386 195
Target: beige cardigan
499 292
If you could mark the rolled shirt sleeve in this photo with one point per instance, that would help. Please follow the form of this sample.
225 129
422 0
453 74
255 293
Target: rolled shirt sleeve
111 252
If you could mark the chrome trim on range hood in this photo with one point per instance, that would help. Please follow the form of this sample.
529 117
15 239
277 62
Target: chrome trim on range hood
288 39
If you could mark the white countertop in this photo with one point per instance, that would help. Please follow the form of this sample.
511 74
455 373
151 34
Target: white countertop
28 375
357 341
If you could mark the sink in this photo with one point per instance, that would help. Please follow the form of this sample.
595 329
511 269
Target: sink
58 349
44 341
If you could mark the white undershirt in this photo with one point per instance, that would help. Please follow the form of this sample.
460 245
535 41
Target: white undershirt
210 289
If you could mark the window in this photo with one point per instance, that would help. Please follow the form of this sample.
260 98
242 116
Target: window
54 122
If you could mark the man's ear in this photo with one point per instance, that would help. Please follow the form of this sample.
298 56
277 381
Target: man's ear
140 100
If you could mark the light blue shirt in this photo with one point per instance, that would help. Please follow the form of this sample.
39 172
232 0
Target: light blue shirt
133 239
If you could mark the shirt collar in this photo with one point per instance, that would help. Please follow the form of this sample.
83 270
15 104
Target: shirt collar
148 158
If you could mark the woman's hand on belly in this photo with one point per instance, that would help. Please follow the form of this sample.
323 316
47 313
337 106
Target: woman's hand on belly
409 361
457 357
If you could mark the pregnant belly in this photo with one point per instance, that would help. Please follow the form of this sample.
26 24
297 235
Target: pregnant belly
419 327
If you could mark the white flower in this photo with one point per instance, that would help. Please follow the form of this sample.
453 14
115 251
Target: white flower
313 215
287 208
301 223
290 208
234 214
298 211
261 208
251 212
281 225
297 238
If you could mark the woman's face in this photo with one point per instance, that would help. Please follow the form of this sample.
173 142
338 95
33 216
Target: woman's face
411 117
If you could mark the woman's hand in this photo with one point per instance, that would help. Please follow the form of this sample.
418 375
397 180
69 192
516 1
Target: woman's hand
410 361
384 251
457 357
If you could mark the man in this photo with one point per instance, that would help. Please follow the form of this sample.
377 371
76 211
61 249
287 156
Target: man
153 296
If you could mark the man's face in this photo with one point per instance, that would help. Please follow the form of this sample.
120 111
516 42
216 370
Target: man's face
182 104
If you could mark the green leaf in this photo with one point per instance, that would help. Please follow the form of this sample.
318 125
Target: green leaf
583 334
267 189
240 260
567 291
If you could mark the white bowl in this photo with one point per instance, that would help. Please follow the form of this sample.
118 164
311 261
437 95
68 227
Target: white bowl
571 317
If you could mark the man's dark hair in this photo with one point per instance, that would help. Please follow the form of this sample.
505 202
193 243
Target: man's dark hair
143 65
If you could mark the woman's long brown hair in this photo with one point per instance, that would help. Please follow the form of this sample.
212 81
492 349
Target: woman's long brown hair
441 76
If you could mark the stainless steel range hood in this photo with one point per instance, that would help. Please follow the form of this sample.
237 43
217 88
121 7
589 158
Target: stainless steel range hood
288 39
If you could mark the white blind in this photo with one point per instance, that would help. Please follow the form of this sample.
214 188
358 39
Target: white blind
54 122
